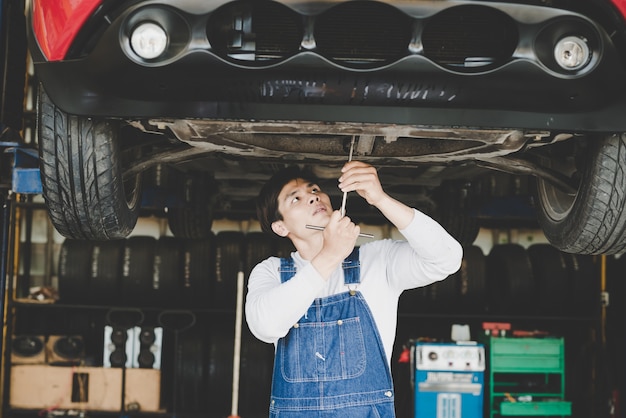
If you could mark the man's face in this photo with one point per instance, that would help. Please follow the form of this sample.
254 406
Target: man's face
302 203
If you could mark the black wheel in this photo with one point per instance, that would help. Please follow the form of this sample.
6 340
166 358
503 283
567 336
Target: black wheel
106 271
591 220
259 246
198 267
415 300
191 367
454 212
551 281
27 346
75 259
137 282
168 272
583 287
192 215
220 365
81 175
228 262
257 361
473 284
509 279
444 294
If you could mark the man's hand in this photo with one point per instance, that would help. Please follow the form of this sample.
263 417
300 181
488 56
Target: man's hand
340 235
362 178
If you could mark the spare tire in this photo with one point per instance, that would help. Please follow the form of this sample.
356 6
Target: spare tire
473 281
192 214
509 279
415 300
198 259
228 262
220 365
455 212
259 246
168 272
106 272
550 275
583 287
74 271
137 271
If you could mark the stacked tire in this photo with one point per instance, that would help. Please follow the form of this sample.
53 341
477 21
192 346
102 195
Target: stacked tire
512 280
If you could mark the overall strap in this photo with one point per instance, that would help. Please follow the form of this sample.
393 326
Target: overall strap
351 268
287 269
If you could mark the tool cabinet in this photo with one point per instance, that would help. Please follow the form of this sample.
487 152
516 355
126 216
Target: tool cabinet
527 377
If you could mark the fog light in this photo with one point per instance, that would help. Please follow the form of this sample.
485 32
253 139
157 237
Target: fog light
572 53
148 40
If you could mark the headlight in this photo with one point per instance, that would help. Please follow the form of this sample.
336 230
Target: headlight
148 40
572 53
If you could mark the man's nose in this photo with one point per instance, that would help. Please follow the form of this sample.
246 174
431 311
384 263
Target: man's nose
314 198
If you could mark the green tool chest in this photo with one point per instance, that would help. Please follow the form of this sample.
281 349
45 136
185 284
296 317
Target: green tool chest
527 377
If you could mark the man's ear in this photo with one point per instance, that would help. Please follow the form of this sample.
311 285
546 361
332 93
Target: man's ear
279 228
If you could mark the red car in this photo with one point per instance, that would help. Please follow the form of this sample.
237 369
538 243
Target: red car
460 103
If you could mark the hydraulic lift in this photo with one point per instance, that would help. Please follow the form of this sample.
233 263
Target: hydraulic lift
19 175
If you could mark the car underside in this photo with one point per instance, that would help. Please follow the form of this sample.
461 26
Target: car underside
457 103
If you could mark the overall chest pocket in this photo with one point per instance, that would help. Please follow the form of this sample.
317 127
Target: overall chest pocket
323 351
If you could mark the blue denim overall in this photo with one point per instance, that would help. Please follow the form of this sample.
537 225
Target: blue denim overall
332 362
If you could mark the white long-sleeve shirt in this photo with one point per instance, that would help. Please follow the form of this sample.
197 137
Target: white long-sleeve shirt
388 267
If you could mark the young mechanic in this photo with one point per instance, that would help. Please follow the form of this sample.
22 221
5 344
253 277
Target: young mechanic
331 309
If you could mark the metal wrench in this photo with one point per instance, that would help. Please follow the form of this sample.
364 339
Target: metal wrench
343 202
345 194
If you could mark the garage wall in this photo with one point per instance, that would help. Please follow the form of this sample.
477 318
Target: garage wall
433 319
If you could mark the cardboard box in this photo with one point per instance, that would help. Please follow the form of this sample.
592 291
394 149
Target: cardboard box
44 386
143 390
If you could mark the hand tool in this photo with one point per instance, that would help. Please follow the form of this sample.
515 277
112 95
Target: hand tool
321 228
343 202
345 194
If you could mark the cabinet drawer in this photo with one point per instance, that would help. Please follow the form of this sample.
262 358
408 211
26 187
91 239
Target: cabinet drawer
546 408
526 355
527 346
526 364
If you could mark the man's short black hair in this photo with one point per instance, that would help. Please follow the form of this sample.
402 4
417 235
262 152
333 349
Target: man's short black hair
267 201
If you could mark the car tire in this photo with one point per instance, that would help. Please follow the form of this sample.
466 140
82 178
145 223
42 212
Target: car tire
81 175
510 281
137 283
220 364
191 372
106 271
551 278
193 218
454 214
198 266
74 271
583 288
168 272
593 221
257 360
472 278
229 253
